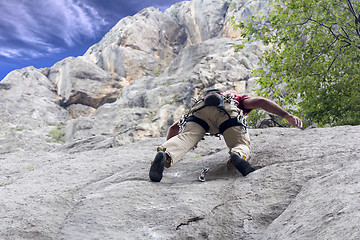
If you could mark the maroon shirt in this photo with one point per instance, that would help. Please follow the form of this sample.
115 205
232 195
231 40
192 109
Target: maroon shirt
240 99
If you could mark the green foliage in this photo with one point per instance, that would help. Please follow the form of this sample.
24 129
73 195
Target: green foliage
254 117
159 69
313 55
57 133
258 119
232 5
19 129
3 184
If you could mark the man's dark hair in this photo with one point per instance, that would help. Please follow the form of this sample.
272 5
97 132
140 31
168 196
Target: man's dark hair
213 97
212 91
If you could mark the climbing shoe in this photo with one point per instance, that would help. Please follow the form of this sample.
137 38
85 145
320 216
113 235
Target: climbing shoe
157 167
243 166
167 157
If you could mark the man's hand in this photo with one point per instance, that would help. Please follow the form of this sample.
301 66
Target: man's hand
271 107
294 121
173 131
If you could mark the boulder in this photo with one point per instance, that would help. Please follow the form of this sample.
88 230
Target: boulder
80 81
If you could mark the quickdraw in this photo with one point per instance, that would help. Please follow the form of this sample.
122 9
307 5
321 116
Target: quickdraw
230 98
203 172
182 122
186 115
242 121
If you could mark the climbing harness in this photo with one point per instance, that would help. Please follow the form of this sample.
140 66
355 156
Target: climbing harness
240 120
199 121
230 98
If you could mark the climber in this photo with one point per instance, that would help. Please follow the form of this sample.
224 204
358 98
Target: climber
217 113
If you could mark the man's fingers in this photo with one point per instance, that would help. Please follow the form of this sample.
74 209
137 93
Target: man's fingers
298 122
295 121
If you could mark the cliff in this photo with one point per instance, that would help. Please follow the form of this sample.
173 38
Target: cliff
76 141
132 84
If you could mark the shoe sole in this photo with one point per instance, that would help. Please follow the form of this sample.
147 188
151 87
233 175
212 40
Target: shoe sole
243 166
157 167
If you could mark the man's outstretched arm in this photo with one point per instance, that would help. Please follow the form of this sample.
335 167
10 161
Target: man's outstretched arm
271 107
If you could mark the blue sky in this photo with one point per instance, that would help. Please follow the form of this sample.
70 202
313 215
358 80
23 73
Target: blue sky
40 33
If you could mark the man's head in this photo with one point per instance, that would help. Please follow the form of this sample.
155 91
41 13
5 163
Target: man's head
212 97
212 91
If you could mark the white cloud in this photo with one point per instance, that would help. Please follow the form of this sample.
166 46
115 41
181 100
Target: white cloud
9 53
44 26
74 20
26 54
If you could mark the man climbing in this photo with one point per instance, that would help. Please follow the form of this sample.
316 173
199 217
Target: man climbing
217 113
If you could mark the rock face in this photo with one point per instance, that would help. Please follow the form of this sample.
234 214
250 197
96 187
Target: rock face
30 111
76 141
135 82
80 81
306 186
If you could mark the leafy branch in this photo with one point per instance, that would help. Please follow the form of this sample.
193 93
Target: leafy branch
313 52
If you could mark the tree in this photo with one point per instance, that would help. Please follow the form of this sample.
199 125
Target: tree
313 54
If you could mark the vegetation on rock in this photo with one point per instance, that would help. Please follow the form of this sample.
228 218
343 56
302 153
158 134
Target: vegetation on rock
312 60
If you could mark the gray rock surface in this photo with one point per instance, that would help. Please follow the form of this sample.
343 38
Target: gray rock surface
30 111
80 81
306 187
76 141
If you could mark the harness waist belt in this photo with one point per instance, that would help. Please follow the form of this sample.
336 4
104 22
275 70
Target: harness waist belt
199 121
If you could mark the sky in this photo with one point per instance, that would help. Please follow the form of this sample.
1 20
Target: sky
40 33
